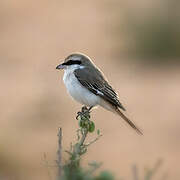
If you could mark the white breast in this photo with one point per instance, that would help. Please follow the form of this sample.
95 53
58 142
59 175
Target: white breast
76 90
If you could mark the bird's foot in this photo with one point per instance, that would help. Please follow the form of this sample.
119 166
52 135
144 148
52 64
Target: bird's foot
85 112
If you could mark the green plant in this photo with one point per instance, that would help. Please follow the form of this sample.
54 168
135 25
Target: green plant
72 169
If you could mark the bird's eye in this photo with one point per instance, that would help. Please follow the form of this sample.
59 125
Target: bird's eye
71 62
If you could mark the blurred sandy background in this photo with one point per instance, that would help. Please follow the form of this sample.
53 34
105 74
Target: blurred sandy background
36 35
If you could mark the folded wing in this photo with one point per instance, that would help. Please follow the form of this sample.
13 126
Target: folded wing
94 81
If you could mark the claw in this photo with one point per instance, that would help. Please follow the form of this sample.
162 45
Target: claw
78 114
84 112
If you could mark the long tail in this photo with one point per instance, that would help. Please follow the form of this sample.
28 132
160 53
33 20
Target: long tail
129 122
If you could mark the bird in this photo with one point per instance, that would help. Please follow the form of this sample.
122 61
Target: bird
87 85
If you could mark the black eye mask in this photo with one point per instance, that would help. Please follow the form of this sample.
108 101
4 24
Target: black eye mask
71 62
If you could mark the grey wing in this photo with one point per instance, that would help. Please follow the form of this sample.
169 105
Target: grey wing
94 82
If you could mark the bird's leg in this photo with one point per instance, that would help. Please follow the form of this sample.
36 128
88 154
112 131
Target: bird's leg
90 108
80 113
84 109
84 112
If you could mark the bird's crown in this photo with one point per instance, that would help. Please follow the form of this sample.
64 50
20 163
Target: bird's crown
79 58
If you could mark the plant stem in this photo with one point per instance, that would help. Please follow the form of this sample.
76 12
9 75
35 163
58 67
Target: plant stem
59 152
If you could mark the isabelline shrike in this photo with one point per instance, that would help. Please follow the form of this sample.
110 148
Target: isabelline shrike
86 84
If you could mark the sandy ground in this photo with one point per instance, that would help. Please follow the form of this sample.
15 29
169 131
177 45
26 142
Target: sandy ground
34 38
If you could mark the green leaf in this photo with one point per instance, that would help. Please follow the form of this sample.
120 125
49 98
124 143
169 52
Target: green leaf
91 127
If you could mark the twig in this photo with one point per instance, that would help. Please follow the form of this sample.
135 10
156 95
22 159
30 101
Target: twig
59 152
80 147
86 126
84 135
91 142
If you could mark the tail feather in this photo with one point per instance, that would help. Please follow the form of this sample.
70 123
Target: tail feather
129 122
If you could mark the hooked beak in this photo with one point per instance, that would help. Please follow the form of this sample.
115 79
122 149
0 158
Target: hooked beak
60 66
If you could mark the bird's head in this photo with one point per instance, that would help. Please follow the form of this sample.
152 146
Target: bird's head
76 60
